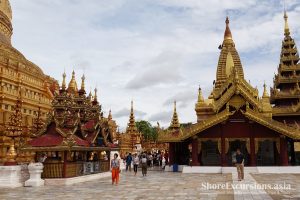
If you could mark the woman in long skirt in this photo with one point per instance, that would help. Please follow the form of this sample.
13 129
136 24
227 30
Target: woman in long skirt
115 169
144 165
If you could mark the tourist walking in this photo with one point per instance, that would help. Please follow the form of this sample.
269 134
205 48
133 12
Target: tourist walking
240 164
128 162
163 163
115 169
144 165
136 162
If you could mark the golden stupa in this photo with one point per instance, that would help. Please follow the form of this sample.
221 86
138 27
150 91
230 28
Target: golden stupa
20 79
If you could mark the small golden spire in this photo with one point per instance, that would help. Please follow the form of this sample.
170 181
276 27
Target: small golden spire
73 85
95 96
90 96
200 96
131 128
175 121
82 82
227 34
265 94
109 115
63 86
286 25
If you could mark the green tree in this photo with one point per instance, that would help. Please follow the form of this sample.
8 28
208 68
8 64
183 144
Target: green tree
149 132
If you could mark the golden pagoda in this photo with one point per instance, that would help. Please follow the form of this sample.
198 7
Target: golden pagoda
175 121
235 116
129 140
285 94
19 76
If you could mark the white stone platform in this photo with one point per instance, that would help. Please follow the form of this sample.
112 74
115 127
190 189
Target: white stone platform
10 176
224 170
79 179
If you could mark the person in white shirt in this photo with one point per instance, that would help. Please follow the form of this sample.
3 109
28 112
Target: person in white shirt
163 163
136 162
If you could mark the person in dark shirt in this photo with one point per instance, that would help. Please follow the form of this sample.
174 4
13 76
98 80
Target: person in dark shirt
128 162
240 164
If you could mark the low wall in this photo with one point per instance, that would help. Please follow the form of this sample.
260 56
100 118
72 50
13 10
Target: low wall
224 170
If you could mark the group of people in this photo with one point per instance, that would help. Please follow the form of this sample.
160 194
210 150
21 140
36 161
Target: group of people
144 160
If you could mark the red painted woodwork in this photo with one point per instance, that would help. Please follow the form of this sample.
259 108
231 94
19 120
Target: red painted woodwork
64 172
171 153
195 161
283 152
252 152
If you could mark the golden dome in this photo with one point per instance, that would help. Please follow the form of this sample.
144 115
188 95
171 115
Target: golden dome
6 8
5 22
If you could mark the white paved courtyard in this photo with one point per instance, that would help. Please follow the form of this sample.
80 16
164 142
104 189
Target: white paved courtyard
158 185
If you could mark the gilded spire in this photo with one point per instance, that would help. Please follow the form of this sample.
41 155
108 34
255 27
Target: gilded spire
109 116
63 86
200 96
286 24
265 94
82 82
131 125
95 96
227 34
175 121
73 85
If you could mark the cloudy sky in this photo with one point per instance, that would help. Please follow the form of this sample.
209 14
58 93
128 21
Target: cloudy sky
151 51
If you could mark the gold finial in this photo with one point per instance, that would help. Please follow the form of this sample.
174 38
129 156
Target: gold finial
227 34
82 82
95 96
174 106
109 115
90 95
265 94
63 86
286 25
200 96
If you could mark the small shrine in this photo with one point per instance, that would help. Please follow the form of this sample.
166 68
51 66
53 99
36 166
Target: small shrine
76 139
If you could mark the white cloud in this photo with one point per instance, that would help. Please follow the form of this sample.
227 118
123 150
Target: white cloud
150 51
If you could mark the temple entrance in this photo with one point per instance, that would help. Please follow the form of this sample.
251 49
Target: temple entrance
233 146
266 153
210 155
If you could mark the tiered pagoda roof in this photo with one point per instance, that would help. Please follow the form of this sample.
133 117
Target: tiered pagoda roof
285 94
76 120
175 121
131 137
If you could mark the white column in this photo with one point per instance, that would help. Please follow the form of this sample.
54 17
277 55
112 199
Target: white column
35 171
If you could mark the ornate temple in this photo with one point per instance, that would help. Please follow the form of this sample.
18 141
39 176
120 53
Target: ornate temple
21 83
76 137
130 141
265 128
